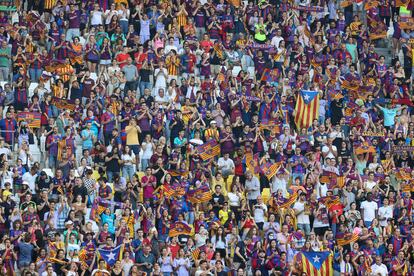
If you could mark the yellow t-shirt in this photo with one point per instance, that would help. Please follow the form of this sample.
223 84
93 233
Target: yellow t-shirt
224 216
214 183
131 135
130 222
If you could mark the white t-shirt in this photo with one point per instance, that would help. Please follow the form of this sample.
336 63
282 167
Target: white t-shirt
147 150
168 48
259 213
322 107
317 223
160 80
234 199
7 176
276 40
379 269
96 18
44 273
108 16
321 190
226 165
6 151
128 158
72 247
279 184
369 209
326 149
370 184
385 212
31 179
301 218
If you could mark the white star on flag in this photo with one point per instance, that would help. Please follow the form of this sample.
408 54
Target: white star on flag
306 97
111 256
316 259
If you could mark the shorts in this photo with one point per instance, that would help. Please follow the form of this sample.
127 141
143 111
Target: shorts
320 231
134 148
105 62
93 61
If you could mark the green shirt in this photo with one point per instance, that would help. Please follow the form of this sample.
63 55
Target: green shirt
260 35
4 57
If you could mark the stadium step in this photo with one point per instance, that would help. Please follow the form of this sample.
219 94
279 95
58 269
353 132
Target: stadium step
386 52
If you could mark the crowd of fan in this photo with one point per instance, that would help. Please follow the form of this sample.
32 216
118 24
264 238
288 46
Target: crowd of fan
129 90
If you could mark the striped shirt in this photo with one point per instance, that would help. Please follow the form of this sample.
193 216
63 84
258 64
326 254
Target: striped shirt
65 72
182 20
211 134
173 65
49 4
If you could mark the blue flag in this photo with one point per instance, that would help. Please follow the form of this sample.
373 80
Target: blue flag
308 95
317 259
110 256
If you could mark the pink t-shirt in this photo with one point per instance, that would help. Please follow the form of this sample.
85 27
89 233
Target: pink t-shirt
148 190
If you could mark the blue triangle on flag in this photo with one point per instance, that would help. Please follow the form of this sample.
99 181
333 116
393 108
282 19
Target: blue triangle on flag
110 256
308 95
316 258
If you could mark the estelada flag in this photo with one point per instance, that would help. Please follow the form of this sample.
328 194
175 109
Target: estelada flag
347 239
317 263
269 169
200 195
208 150
307 108
330 201
179 228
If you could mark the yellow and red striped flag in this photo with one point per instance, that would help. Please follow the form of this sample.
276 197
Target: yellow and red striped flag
52 248
179 228
209 149
347 239
196 252
405 187
330 201
168 191
317 263
83 256
340 181
57 261
307 108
